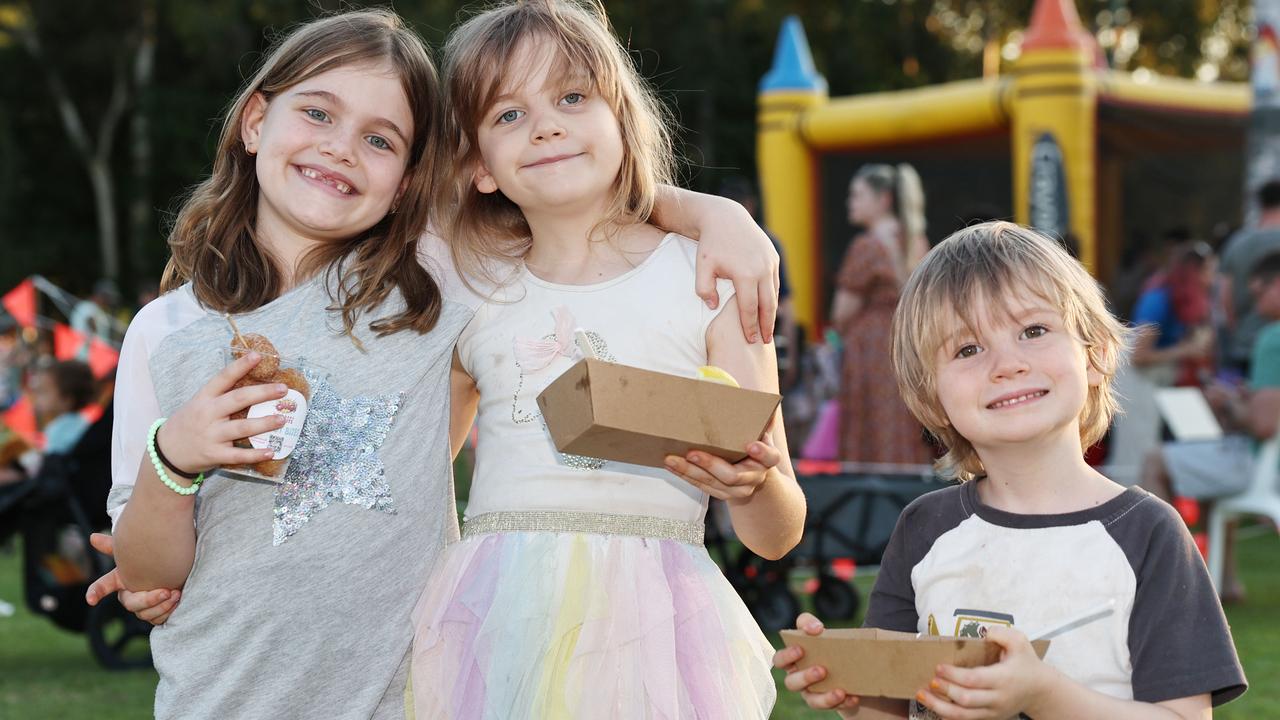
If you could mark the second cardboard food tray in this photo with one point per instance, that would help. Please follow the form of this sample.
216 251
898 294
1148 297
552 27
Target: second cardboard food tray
883 663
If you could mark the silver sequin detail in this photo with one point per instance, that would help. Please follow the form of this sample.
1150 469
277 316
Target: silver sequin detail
336 459
580 462
520 417
642 526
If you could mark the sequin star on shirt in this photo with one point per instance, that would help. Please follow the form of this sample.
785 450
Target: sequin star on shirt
336 458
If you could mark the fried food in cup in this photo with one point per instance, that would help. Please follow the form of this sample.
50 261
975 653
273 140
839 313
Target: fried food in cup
267 371
295 380
253 342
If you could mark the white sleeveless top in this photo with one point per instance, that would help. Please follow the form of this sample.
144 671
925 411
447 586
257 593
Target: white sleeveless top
648 317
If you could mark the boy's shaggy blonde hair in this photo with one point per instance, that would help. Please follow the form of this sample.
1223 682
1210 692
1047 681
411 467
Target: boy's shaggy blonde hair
993 262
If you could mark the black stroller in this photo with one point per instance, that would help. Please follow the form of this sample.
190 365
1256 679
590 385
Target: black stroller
55 512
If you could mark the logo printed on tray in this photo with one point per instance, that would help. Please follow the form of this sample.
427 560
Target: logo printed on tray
293 407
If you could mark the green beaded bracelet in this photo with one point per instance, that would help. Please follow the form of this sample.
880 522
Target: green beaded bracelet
159 466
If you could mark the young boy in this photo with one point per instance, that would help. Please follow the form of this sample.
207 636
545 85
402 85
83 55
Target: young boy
1004 348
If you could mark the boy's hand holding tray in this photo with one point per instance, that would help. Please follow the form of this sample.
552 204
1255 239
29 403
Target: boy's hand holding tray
883 663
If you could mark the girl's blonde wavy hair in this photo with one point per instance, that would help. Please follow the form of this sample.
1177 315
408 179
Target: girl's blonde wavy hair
993 263
478 65
212 239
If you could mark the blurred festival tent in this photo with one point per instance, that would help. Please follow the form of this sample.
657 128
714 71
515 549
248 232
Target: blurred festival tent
1060 141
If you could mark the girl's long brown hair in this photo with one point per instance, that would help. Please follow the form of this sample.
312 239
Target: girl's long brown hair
212 239
479 59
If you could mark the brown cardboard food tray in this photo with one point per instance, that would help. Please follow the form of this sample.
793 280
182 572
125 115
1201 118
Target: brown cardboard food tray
884 663
625 414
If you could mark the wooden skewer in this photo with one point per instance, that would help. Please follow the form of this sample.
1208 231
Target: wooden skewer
236 330
581 339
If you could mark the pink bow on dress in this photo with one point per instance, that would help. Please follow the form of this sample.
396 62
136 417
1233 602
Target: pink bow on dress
535 355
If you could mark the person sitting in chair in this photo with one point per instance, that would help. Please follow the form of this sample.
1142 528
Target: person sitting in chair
1215 468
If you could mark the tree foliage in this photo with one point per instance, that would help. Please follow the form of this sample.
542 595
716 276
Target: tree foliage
705 57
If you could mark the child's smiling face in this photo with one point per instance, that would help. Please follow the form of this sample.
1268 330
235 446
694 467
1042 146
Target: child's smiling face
548 141
331 152
1019 376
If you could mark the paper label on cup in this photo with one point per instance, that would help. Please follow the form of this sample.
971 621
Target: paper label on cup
293 406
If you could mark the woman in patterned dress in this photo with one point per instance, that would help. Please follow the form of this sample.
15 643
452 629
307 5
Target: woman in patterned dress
887 204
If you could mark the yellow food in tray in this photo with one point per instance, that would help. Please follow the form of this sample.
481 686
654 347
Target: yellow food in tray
715 374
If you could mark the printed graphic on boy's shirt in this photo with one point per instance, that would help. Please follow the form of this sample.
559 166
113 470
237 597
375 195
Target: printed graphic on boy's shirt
969 624
534 357
336 458
974 623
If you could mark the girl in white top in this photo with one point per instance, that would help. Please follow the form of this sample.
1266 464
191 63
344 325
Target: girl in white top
580 587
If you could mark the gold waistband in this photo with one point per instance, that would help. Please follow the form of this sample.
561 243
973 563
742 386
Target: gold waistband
584 522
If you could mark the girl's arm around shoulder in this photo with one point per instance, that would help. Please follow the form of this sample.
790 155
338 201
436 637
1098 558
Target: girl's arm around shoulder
464 397
765 502
730 245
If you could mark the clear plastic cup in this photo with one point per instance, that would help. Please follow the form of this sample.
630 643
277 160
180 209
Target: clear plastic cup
297 374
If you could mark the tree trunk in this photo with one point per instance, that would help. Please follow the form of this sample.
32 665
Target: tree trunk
141 221
105 211
95 156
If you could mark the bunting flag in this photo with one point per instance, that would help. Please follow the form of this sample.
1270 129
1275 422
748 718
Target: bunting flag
67 343
21 303
21 419
102 357
92 413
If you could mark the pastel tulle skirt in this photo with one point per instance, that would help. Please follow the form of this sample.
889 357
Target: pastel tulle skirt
531 625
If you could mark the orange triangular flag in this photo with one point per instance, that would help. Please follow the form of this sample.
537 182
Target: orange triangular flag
66 342
21 419
102 357
91 412
21 303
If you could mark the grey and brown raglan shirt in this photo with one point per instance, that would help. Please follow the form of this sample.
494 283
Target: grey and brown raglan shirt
958 566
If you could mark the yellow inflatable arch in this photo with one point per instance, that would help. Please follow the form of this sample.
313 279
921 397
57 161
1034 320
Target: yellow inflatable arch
1060 142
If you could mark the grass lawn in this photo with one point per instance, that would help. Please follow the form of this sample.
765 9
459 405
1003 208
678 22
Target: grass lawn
48 673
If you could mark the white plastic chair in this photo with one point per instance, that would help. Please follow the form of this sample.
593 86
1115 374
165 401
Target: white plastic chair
1261 497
